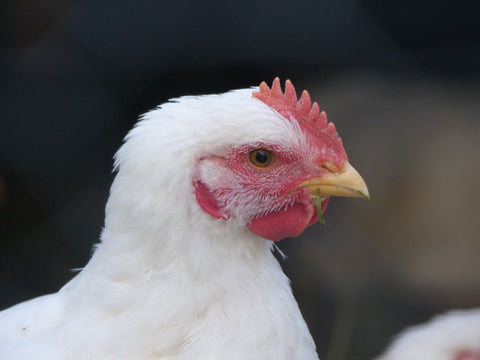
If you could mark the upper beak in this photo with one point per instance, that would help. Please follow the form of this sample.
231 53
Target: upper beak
345 182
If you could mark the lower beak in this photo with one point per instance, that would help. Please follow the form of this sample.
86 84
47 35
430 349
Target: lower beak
345 182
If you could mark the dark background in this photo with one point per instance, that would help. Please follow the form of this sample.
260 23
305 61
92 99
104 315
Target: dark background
400 81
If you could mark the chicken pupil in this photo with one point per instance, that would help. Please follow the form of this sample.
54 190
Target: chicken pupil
262 156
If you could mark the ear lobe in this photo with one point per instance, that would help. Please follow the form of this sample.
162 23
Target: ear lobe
207 201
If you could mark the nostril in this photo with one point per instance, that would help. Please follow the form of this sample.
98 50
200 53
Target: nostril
329 167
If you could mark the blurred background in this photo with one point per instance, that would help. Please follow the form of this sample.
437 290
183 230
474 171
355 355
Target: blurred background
400 80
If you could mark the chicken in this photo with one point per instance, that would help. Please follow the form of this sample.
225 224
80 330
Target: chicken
452 336
184 268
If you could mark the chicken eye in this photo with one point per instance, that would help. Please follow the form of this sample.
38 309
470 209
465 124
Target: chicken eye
260 158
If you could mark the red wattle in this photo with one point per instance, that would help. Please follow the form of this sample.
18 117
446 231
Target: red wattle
274 226
290 223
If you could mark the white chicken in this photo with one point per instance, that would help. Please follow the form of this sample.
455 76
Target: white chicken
452 336
185 269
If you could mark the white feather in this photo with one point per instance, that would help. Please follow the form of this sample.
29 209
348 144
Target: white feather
443 338
168 281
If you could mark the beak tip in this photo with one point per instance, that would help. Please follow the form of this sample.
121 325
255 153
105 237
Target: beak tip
346 182
364 194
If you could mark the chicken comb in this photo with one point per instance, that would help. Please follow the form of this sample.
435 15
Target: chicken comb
308 116
287 105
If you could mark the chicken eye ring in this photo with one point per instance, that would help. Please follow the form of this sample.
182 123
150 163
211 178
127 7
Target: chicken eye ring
260 158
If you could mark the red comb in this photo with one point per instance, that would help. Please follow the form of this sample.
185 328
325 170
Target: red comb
307 115
287 105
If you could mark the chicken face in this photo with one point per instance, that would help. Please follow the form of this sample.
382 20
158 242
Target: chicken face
272 186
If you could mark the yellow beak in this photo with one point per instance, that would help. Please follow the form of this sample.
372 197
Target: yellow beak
345 182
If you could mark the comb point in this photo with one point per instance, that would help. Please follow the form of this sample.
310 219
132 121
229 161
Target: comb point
314 112
263 86
323 118
276 88
305 103
331 128
290 93
262 93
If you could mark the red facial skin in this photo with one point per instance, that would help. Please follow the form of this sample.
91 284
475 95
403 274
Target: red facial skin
276 207
273 187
